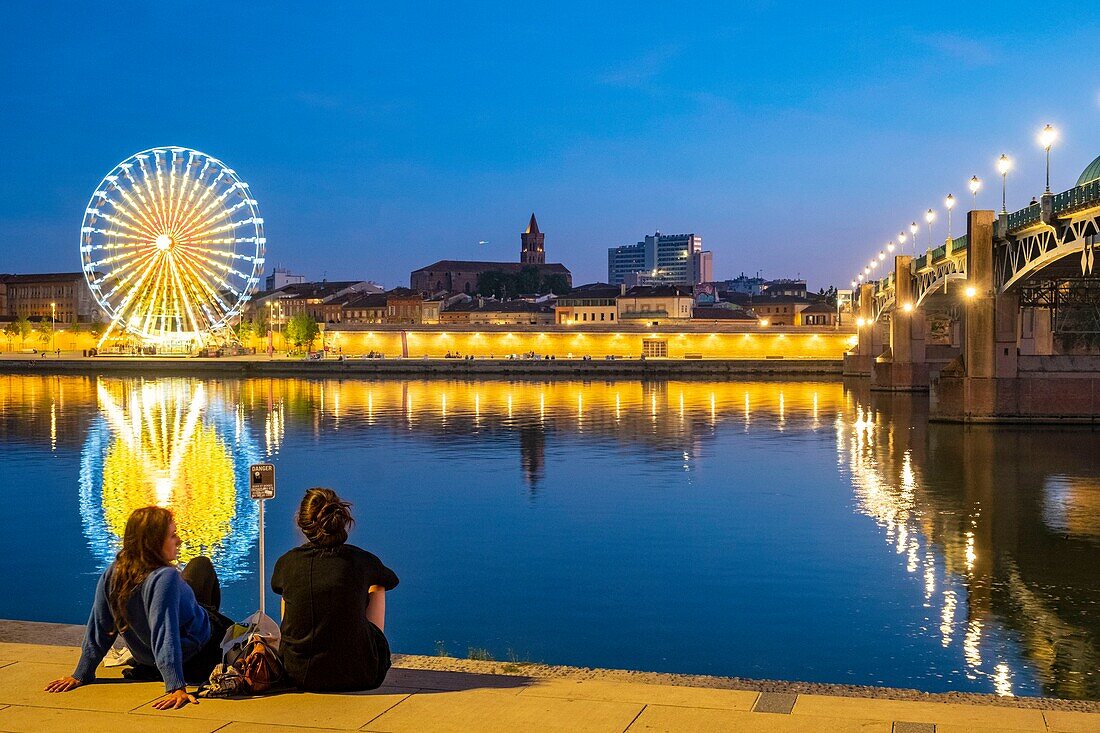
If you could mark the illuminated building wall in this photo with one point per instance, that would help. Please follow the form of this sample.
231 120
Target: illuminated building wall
759 344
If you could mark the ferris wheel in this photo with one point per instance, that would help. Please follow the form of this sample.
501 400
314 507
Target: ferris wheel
172 245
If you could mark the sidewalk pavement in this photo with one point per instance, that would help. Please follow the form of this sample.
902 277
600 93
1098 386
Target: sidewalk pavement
426 700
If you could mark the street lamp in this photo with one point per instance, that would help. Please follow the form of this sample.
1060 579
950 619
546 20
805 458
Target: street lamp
881 256
1046 138
901 240
53 323
890 246
913 229
1004 165
949 202
860 277
930 216
975 186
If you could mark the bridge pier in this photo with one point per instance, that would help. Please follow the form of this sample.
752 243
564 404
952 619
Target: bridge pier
905 369
859 362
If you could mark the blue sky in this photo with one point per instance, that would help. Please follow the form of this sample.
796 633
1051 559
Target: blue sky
795 138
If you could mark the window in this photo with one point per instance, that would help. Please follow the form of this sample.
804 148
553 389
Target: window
612 317
657 348
601 316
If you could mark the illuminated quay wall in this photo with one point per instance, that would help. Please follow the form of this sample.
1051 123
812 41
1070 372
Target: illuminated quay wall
686 341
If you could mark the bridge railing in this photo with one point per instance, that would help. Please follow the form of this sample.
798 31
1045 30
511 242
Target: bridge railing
1077 198
1024 217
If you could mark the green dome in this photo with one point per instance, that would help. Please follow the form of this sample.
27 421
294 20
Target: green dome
1091 173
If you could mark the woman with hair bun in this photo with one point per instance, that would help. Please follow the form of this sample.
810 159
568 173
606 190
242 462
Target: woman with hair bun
334 602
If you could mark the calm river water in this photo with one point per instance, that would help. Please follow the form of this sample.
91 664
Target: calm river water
792 530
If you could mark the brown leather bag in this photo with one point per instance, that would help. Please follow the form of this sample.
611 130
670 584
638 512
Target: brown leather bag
260 666
250 668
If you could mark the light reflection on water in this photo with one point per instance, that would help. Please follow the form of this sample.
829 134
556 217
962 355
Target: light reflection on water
803 530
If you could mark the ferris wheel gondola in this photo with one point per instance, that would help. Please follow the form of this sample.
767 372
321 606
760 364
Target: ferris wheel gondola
172 246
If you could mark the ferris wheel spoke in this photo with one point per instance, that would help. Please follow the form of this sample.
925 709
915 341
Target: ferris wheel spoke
129 211
149 196
146 212
202 294
224 268
197 268
128 301
183 200
182 298
151 303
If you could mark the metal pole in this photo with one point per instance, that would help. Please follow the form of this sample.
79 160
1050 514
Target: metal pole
263 583
1004 193
1048 170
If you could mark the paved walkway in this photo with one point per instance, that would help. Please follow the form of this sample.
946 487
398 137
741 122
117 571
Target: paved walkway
421 700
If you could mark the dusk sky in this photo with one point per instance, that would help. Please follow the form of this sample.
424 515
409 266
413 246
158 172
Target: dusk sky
794 138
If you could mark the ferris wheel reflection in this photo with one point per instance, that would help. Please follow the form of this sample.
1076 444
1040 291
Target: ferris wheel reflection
176 444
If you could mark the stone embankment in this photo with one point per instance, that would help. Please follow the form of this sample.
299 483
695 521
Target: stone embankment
425 694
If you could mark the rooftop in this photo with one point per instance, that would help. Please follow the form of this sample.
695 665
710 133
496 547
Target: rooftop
476 265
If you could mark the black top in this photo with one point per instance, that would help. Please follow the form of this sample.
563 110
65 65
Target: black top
328 643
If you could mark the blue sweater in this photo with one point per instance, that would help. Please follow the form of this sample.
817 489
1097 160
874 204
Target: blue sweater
167 626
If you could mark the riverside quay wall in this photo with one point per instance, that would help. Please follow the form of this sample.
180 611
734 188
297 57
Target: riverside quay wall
673 341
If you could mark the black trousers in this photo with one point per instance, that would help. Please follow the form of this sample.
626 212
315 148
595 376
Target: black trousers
200 575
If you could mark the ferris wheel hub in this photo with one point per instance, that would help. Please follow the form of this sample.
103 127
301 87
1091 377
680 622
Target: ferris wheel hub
164 242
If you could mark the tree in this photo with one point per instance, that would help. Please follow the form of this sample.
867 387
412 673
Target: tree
496 284
244 330
44 329
556 284
302 329
23 329
11 332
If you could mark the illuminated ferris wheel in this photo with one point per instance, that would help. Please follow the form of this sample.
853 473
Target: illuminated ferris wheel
172 245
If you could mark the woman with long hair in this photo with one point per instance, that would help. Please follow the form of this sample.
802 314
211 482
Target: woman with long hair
334 602
168 619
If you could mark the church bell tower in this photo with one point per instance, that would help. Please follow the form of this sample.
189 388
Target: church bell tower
531 245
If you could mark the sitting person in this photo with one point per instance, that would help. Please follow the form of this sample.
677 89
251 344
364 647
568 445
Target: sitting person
169 619
334 603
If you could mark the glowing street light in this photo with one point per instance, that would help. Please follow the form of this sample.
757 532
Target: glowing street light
913 229
860 322
853 284
975 185
901 240
881 256
1004 165
1046 138
930 216
890 246
53 323
908 307
860 277
971 291
949 202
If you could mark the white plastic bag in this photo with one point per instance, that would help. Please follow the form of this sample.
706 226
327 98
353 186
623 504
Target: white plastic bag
259 624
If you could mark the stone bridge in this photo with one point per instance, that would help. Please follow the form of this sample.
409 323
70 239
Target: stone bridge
1002 323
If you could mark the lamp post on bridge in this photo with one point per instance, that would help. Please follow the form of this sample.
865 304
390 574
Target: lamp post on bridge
1004 165
913 229
930 216
949 203
1046 138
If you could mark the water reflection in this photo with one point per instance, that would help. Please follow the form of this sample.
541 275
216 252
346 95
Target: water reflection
174 443
996 531
1008 517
